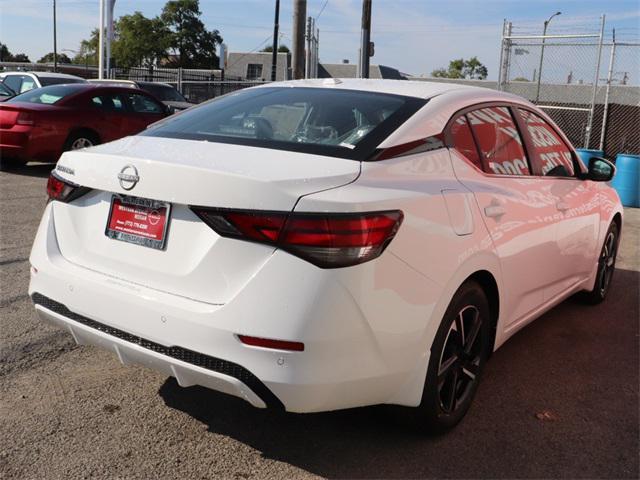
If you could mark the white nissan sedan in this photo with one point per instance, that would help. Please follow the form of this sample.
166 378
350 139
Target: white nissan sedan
318 245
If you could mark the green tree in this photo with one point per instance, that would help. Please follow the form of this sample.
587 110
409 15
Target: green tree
7 56
194 45
281 49
474 70
88 51
461 68
140 41
21 57
48 58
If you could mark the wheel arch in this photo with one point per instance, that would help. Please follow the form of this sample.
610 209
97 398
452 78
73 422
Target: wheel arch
76 130
489 285
617 218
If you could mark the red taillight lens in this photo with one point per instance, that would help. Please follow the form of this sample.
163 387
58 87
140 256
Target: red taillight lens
63 191
328 240
25 118
269 343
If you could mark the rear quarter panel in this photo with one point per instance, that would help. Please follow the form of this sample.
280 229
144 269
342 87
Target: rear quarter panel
405 299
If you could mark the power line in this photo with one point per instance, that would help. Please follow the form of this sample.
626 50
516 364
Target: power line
322 9
251 51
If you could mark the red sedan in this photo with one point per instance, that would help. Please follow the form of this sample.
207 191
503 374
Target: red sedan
41 124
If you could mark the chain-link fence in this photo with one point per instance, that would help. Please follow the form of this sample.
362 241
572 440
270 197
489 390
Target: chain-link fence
589 86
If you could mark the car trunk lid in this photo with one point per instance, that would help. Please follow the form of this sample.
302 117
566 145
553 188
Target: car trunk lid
195 262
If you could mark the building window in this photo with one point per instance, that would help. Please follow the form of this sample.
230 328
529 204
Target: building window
254 71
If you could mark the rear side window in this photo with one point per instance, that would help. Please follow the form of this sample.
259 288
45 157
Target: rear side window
463 140
499 141
28 83
109 102
550 155
143 104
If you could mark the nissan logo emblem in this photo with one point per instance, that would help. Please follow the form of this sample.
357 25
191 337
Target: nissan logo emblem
128 177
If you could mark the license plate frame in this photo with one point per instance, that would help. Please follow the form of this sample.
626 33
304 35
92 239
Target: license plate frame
134 233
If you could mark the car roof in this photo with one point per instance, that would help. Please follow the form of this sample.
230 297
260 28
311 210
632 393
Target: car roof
85 87
112 81
128 82
408 88
43 74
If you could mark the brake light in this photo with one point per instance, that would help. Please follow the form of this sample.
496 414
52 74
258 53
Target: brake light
25 118
328 240
63 190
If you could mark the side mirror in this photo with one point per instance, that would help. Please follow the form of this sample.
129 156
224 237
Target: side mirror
600 170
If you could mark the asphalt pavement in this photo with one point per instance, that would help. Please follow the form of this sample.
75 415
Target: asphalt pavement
558 400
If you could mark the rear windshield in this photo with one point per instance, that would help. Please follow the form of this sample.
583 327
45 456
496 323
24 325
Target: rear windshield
163 92
47 95
334 122
46 81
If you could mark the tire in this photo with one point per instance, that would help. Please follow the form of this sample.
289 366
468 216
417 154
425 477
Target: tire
456 362
606 267
81 139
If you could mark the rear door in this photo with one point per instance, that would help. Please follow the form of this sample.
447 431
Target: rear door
519 212
577 202
111 112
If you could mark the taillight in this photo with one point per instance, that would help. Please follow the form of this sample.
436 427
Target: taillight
328 240
63 190
25 118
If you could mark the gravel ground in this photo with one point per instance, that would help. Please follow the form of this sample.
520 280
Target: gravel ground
560 399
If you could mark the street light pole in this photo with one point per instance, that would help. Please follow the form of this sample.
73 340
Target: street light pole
55 40
544 33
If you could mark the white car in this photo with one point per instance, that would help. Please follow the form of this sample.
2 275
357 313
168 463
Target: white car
21 82
325 244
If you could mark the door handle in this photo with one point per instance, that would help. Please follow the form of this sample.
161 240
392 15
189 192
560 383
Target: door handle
562 206
494 211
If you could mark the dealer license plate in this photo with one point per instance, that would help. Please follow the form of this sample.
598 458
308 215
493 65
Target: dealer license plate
138 220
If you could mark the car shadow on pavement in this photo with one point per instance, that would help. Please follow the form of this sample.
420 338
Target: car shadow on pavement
555 402
41 170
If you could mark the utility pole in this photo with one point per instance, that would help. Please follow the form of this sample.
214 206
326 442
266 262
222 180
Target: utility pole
365 40
308 36
544 33
274 55
55 40
299 16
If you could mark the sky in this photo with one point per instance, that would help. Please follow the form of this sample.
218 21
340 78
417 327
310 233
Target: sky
415 36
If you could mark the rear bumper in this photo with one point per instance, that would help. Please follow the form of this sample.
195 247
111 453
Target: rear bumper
364 341
29 143
189 368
